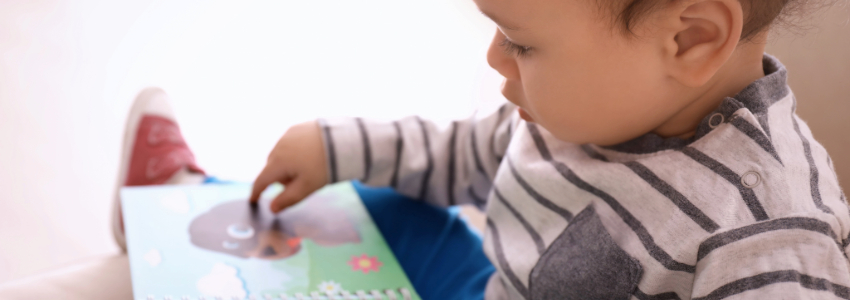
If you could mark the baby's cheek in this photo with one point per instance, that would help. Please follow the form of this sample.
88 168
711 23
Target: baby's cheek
570 102
566 120
580 115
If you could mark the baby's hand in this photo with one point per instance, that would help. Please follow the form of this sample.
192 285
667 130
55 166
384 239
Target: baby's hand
298 162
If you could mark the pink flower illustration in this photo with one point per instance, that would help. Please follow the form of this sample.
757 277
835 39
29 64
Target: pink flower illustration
365 263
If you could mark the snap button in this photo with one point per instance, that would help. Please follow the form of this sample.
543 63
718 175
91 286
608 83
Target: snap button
750 179
715 120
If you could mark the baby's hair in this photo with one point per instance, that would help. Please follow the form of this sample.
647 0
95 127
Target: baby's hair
760 14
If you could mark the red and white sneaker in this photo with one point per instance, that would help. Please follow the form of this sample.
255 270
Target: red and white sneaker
154 152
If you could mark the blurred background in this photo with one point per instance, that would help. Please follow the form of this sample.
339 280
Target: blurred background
240 73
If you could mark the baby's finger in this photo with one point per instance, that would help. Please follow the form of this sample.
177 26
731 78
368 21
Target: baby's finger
266 178
293 193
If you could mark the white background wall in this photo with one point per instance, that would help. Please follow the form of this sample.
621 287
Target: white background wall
240 73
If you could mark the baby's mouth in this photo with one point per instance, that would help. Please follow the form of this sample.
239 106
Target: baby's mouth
524 115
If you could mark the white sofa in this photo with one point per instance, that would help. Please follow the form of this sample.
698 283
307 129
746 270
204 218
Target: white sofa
98 278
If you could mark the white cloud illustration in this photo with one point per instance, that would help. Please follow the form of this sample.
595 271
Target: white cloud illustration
153 257
223 281
176 201
330 287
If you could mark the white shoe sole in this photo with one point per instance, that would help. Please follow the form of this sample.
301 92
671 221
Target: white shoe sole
150 101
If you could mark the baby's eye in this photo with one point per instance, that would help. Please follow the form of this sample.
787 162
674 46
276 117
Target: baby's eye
240 231
514 49
230 245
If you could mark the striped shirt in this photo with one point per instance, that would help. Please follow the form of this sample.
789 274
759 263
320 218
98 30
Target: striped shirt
748 208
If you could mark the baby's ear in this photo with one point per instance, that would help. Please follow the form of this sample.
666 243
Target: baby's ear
699 36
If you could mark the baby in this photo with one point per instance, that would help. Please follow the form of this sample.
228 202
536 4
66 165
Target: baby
651 150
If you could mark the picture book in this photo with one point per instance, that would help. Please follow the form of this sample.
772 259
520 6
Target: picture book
208 242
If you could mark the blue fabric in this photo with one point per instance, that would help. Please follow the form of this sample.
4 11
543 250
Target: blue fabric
442 257
214 180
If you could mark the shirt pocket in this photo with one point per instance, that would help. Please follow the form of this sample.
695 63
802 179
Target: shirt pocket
584 262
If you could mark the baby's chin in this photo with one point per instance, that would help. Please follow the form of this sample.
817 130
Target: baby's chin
524 115
581 137
579 133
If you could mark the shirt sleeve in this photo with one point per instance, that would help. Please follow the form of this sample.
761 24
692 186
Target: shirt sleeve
784 258
442 166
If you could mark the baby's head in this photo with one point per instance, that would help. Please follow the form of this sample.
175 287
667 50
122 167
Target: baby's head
608 71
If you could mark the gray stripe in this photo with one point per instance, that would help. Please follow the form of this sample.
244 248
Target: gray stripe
765 279
539 142
663 296
510 129
426 142
451 175
534 235
331 151
567 215
646 239
725 238
503 263
593 153
756 135
367 149
472 140
829 163
813 174
399 146
846 241
747 195
479 201
493 136
671 193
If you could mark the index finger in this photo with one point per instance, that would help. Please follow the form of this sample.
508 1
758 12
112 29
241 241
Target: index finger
266 178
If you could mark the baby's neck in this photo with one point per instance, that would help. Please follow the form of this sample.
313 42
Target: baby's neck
742 68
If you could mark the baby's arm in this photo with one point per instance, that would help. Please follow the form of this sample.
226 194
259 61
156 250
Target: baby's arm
443 166
785 258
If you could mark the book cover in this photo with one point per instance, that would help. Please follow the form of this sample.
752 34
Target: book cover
208 242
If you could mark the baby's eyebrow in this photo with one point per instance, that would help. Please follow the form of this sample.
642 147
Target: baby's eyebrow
500 22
